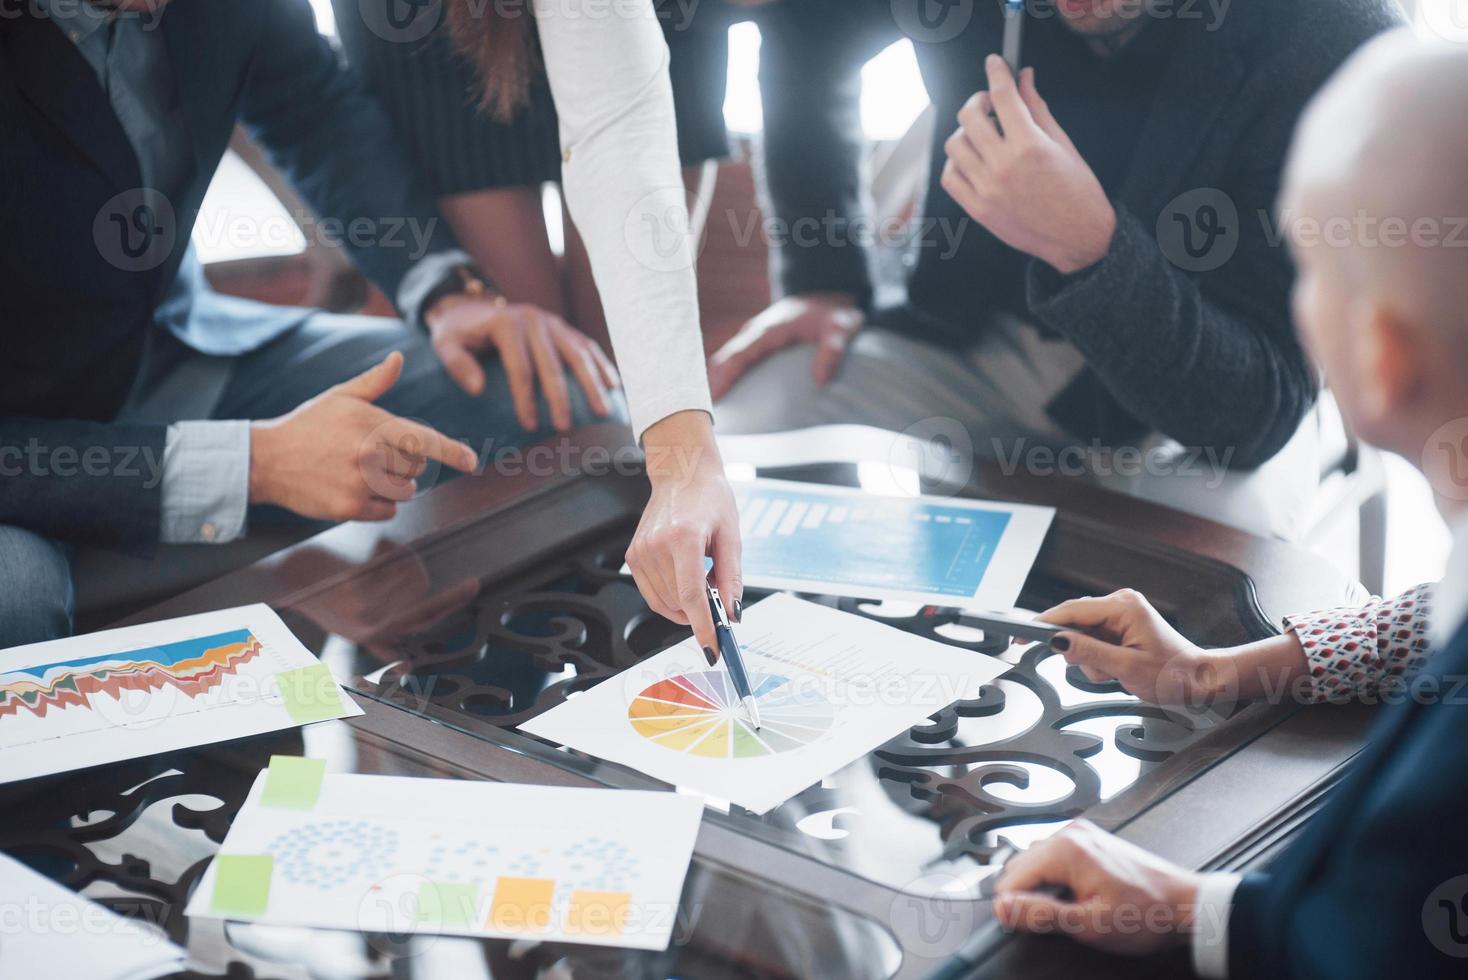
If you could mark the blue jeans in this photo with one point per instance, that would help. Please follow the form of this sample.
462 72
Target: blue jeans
36 594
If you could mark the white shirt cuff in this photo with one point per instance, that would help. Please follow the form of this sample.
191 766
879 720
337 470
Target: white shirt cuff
206 482
1210 925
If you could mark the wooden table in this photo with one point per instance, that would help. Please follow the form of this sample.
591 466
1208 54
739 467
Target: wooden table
489 598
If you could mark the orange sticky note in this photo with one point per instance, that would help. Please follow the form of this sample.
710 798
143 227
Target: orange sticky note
521 904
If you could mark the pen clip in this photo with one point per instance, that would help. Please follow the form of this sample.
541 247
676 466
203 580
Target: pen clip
721 618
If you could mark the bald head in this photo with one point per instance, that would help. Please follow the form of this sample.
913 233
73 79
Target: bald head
1378 176
1376 209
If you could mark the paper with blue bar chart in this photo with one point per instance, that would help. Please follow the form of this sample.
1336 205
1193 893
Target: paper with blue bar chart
944 551
141 690
400 855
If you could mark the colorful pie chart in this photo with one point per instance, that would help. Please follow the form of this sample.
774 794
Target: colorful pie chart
698 714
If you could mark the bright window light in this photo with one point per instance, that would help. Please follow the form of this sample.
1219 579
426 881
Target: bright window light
892 89
1444 19
325 17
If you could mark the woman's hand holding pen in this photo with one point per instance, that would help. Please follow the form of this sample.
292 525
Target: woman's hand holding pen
691 515
1016 172
1128 641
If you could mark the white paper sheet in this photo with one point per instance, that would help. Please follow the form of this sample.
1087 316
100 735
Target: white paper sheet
450 857
946 551
831 687
50 931
140 690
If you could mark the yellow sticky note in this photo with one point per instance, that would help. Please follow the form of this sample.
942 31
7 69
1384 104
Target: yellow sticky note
598 913
310 694
521 904
242 884
293 782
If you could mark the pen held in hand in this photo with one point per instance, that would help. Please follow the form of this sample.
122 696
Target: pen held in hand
732 656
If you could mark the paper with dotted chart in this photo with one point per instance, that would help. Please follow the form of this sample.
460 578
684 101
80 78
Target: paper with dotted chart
404 856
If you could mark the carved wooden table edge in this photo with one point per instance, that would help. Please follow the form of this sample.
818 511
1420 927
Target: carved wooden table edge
1276 579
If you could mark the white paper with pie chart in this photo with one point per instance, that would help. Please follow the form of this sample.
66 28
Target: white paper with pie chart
831 686
700 714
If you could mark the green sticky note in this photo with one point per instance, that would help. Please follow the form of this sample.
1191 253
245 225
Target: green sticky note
310 693
242 884
448 905
292 782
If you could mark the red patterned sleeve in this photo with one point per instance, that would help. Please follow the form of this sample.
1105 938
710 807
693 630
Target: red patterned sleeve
1352 651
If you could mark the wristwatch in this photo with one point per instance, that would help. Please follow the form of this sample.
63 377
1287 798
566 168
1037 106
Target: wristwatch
462 280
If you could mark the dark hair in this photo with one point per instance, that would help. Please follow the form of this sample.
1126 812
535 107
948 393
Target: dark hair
498 38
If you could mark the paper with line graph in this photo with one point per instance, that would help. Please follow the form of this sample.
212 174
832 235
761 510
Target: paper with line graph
399 855
140 690
831 687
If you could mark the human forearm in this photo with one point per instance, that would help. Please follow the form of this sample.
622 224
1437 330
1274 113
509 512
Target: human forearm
1262 668
1229 378
625 192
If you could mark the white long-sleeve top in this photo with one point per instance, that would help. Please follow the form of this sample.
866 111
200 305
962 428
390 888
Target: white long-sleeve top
608 68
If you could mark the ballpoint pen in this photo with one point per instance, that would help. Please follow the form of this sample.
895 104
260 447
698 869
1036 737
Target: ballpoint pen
1014 25
733 658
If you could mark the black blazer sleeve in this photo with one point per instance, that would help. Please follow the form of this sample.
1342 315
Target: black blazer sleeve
811 58
1209 356
1377 885
337 147
83 482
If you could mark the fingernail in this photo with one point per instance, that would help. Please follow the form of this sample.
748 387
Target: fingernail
708 654
738 610
1060 644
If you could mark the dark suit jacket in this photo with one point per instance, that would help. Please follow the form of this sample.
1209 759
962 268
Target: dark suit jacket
1208 358
1369 891
79 297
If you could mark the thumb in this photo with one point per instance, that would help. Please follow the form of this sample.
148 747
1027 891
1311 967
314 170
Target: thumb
374 382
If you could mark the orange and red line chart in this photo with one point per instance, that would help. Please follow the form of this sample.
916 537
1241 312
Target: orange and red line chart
141 690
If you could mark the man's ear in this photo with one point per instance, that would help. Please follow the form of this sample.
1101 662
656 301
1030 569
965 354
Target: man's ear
1391 366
